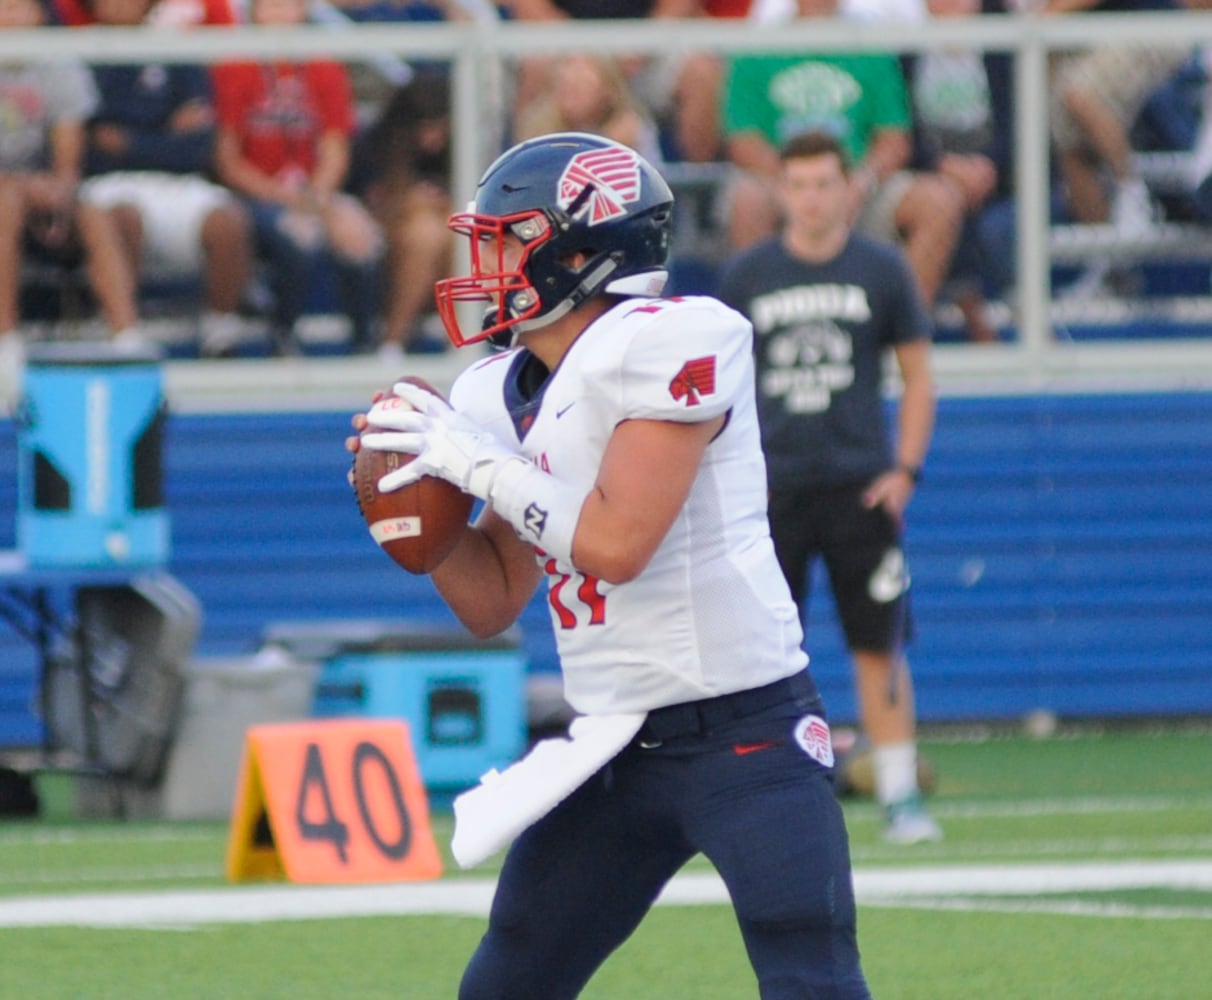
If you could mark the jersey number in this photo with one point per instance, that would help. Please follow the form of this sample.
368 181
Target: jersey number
586 593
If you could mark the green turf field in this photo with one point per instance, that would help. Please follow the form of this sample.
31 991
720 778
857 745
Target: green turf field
1077 867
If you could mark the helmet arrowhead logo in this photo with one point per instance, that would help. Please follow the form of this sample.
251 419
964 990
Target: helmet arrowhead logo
612 177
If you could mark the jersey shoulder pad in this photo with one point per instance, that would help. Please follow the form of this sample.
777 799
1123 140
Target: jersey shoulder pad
685 359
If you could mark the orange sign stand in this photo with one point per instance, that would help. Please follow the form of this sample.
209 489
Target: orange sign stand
331 800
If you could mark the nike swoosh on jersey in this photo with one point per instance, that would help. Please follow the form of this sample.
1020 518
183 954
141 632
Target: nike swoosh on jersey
741 749
564 409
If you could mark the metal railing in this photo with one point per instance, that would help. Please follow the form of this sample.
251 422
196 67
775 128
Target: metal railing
478 51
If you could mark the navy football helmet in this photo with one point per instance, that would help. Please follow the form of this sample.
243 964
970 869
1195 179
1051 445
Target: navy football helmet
564 196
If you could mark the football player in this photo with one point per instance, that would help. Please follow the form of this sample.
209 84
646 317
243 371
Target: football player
616 445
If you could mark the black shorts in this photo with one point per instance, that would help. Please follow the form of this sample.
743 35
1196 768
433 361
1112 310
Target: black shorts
861 549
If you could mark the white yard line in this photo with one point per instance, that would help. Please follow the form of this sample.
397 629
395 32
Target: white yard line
1063 908
113 874
116 833
950 885
1091 805
1085 847
1034 879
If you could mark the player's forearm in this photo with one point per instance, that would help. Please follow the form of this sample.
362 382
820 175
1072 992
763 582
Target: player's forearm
332 164
489 578
646 475
915 418
239 174
915 423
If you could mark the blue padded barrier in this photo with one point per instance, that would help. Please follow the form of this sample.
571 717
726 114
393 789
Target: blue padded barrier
1060 548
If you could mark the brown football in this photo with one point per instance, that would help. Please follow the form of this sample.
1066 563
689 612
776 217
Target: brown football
417 525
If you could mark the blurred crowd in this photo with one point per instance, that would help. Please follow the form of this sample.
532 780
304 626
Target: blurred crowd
268 189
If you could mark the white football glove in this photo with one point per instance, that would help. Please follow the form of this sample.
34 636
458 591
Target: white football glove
446 443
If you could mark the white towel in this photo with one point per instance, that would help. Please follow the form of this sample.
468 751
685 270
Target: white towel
505 803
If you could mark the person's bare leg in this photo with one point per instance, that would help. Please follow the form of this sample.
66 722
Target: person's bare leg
1104 131
975 310
1085 193
12 225
889 720
418 256
929 216
227 252
885 693
129 227
698 108
109 272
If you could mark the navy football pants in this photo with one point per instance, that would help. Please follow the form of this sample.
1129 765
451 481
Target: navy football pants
578 882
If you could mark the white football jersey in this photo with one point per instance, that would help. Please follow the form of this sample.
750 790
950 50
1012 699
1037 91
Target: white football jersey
711 613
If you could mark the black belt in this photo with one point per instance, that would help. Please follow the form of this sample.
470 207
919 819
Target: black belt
694 717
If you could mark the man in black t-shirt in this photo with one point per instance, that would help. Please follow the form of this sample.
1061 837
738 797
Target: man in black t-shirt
826 304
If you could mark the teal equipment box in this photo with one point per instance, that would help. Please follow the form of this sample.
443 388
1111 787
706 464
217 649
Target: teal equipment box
89 459
464 699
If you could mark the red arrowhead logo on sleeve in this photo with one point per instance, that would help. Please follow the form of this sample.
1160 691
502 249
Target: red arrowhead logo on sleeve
696 379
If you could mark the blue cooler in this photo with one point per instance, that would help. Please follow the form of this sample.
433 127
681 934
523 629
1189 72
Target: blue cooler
89 443
464 698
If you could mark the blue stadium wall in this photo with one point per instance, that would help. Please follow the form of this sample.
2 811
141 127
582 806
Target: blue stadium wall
1060 548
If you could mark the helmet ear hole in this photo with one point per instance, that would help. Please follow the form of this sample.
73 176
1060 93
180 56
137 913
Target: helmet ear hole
574 259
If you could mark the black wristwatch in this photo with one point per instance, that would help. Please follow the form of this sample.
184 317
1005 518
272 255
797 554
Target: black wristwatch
914 472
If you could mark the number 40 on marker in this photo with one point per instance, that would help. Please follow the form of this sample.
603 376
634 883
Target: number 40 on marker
333 800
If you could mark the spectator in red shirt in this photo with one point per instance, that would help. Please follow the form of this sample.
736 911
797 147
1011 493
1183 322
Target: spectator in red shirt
284 141
178 13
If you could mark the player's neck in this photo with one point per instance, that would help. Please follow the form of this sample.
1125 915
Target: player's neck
816 247
550 343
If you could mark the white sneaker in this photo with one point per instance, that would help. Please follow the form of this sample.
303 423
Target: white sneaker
390 352
1133 213
1103 282
1090 284
219 334
132 342
907 822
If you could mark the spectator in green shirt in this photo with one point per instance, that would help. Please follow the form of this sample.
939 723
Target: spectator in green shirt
860 99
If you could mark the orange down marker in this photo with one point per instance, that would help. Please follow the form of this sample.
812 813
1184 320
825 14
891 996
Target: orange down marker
332 800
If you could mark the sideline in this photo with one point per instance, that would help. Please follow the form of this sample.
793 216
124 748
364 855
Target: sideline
951 886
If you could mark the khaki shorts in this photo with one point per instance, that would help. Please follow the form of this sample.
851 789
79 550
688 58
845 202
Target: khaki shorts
1123 77
878 217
